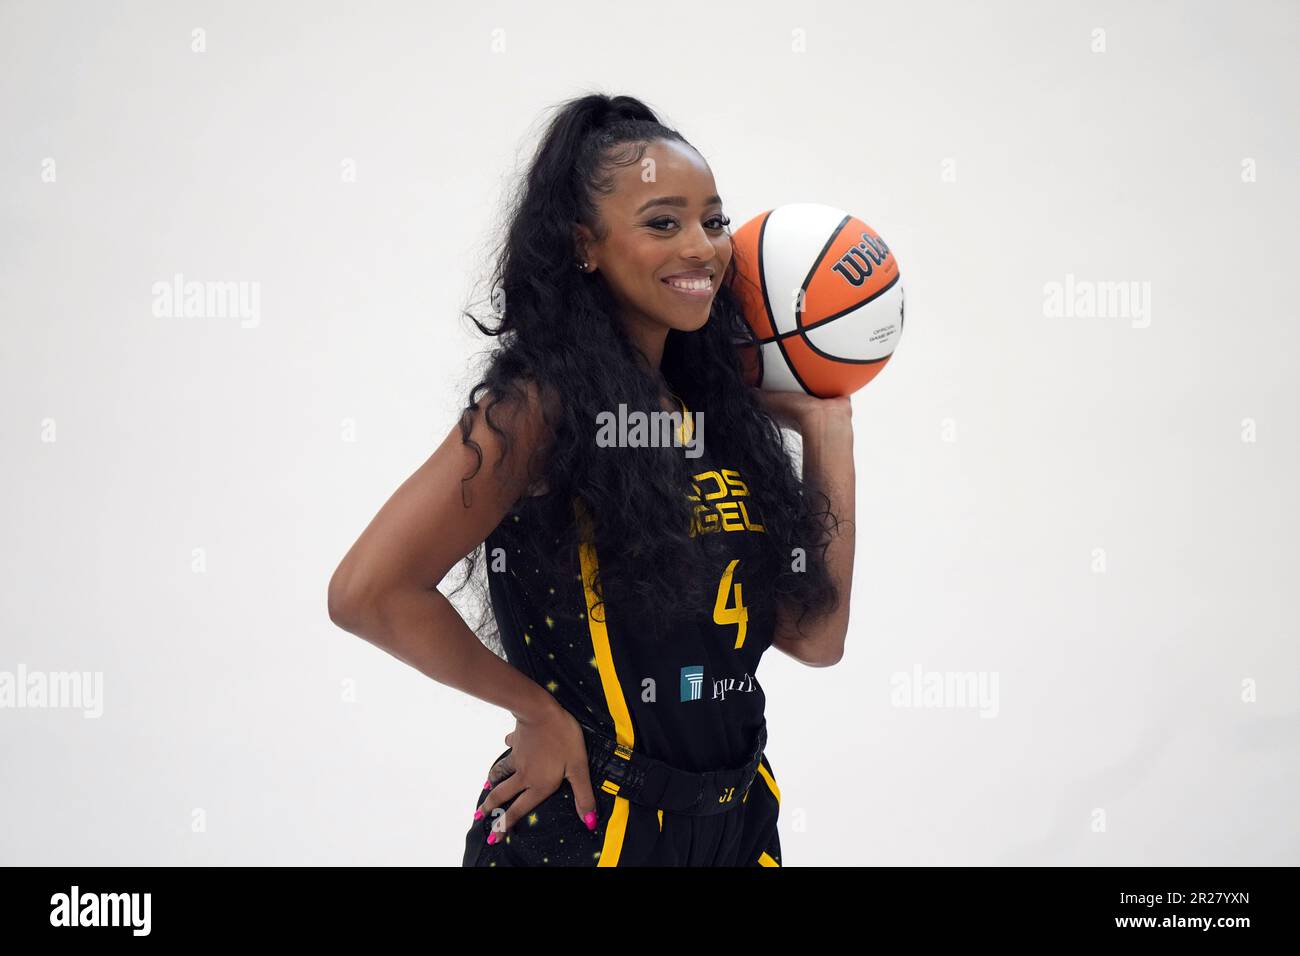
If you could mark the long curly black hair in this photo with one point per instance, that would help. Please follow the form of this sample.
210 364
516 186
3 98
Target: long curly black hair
557 330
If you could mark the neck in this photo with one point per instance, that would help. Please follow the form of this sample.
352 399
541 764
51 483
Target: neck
647 338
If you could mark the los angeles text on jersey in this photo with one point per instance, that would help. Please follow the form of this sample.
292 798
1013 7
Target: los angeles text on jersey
721 508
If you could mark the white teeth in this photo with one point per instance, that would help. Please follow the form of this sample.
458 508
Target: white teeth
697 285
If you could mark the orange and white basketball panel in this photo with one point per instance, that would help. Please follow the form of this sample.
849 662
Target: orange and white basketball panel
795 367
869 332
794 237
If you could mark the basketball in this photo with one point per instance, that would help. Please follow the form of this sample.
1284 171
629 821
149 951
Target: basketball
823 294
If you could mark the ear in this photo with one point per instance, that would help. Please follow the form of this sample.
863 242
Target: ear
582 237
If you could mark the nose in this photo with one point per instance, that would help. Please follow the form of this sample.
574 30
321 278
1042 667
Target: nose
697 244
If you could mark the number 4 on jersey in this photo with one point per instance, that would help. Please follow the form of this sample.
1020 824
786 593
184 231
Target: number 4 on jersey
739 614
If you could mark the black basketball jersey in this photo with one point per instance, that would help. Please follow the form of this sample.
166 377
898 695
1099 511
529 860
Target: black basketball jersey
690 697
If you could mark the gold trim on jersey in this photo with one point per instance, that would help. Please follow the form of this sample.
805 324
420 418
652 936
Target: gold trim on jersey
771 782
686 430
765 858
616 827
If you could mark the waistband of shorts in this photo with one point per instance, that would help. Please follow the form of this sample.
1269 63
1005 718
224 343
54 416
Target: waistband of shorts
644 780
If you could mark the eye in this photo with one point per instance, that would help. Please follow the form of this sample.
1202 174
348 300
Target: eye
722 222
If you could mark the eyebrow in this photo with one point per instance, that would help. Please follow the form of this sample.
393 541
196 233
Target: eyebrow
675 201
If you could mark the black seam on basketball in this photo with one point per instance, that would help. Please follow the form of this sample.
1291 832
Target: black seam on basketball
857 305
803 289
849 361
846 361
817 262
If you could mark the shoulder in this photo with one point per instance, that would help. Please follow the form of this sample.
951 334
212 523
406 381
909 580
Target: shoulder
524 401
528 412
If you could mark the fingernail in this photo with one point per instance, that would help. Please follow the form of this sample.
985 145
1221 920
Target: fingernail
492 837
590 819
487 784
478 814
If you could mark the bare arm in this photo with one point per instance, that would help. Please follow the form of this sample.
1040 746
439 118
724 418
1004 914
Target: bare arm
385 589
827 430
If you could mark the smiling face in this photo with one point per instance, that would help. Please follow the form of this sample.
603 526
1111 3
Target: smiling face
671 226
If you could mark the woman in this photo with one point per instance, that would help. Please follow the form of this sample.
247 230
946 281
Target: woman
634 584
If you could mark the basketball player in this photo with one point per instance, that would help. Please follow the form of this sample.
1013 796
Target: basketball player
633 586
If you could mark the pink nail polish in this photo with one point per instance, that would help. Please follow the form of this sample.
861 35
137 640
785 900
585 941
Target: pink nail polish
590 819
487 784
478 814
492 838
